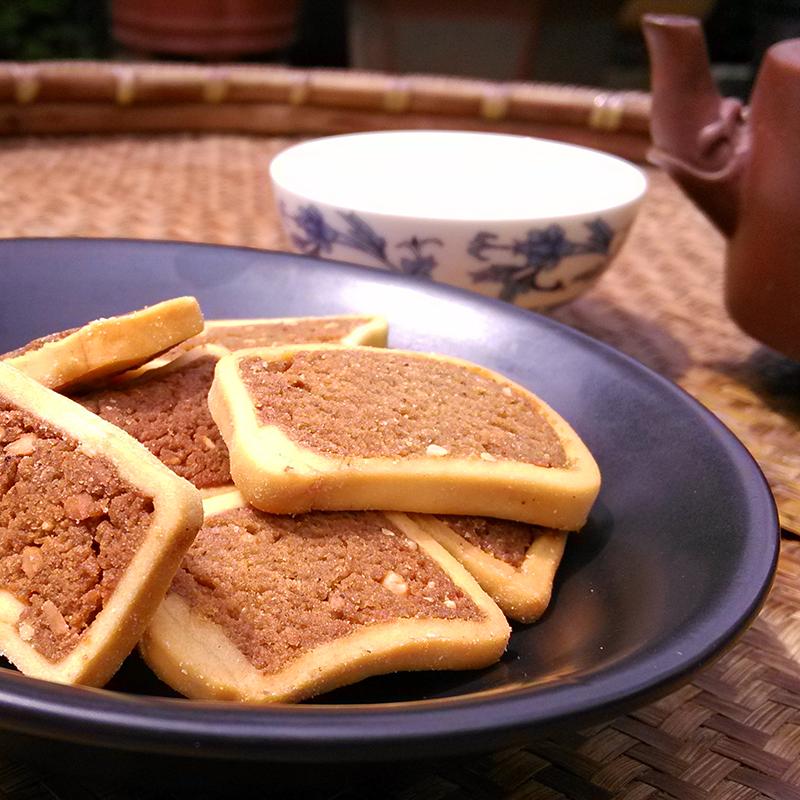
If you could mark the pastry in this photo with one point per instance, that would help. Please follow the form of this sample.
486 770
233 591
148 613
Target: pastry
332 427
272 608
107 346
242 334
515 563
166 409
92 530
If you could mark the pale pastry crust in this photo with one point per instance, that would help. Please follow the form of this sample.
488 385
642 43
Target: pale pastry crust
164 365
523 593
214 491
195 657
176 518
277 475
108 346
373 332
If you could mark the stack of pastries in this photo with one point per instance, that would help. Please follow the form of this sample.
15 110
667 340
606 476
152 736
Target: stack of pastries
271 508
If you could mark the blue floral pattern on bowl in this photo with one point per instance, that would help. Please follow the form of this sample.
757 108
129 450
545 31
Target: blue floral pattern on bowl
541 251
316 236
519 266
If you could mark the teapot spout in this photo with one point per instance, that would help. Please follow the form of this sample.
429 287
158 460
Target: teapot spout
699 137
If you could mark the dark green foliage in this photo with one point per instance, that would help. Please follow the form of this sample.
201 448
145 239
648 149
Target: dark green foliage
40 29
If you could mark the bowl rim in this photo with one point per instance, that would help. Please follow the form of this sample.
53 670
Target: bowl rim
279 184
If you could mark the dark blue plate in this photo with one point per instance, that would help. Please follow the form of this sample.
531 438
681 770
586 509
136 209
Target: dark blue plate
675 561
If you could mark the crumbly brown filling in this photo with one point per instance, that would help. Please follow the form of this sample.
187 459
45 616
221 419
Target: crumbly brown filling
509 541
69 526
374 403
37 344
267 333
168 413
280 586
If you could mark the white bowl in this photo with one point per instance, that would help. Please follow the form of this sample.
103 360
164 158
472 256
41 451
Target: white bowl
528 220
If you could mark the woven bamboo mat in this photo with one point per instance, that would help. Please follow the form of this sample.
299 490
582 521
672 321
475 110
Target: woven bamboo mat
734 732
661 303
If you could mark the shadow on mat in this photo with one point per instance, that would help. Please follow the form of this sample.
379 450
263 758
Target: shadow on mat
639 337
773 377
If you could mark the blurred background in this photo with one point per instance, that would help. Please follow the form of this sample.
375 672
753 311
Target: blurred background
565 41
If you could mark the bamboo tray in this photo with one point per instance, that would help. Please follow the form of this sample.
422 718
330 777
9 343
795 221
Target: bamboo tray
88 97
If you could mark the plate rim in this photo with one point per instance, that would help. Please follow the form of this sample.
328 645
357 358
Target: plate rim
284 733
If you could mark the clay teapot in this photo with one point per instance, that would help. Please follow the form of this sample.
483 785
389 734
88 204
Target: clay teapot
741 166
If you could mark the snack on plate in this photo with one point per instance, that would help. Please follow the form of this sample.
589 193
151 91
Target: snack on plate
107 346
92 529
332 427
166 409
515 563
242 334
268 608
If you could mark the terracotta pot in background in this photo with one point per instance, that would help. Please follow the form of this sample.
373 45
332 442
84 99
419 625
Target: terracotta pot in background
204 29
481 38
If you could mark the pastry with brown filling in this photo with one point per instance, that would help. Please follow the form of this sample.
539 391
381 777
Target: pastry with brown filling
166 409
92 530
331 427
242 334
272 608
107 346
164 403
515 563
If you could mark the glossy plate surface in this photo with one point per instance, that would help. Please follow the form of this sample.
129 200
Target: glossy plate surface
675 560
